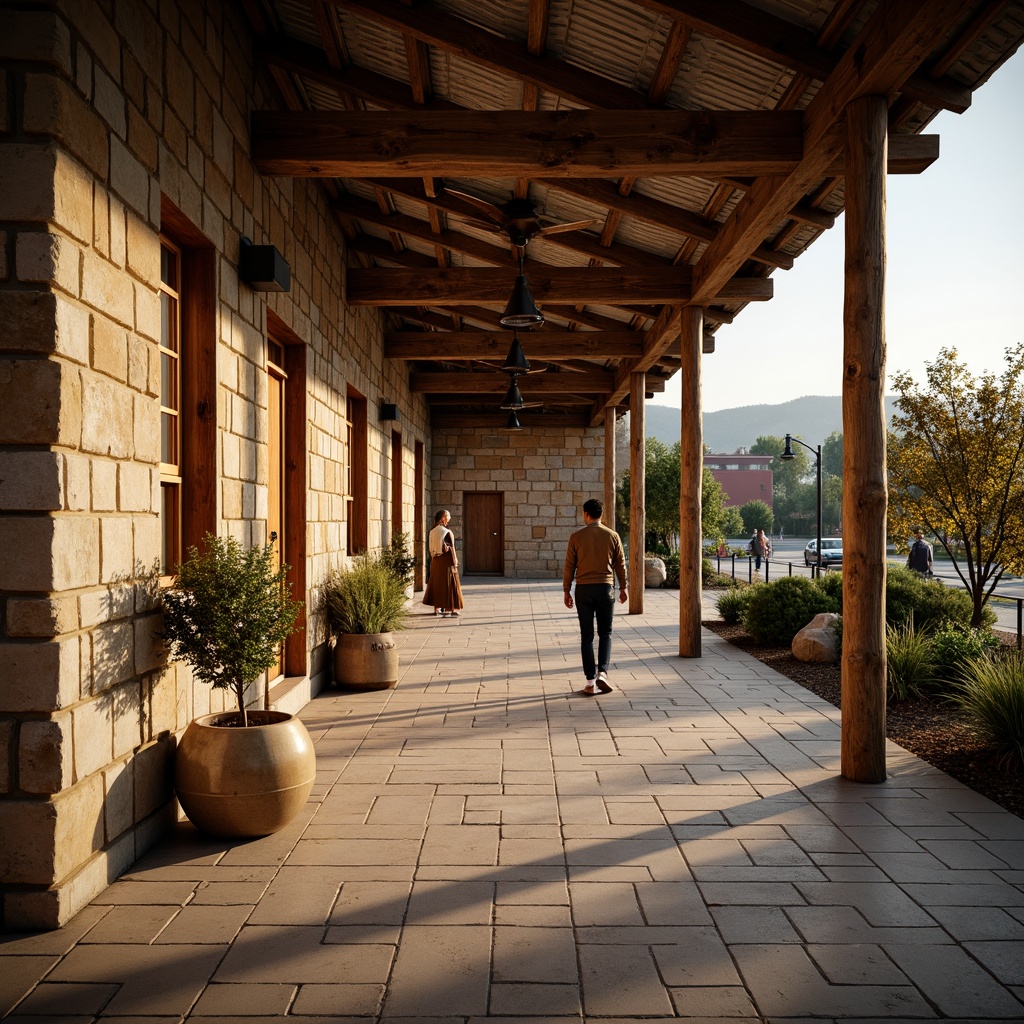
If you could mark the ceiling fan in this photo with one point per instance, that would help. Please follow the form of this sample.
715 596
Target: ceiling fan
519 219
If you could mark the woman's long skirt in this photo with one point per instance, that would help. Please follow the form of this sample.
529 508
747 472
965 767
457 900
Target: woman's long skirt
443 588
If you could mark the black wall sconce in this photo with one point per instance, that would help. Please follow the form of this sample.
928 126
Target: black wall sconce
388 411
263 268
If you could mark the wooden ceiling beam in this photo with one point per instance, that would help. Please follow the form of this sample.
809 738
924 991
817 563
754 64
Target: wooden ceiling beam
495 383
529 419
893 43
544 345
455 35
600 285
511 143
781 42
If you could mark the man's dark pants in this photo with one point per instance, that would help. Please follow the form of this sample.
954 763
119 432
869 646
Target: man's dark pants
595 601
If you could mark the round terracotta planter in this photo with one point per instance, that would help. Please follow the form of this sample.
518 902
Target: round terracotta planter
242 782
366 661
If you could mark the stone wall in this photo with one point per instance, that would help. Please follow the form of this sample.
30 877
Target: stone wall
108 111
545 476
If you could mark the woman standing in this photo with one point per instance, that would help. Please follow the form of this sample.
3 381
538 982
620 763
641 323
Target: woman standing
443 591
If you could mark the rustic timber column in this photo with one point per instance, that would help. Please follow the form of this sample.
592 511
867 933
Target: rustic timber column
865 494
691 454
637 478
610 420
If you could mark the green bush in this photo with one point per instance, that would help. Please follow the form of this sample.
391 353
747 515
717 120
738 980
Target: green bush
398 560
992 695
831 584
672 570
733 603
777 611
955 647
910 662
928 603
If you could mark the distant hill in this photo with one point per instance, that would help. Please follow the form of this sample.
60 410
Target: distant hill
812 418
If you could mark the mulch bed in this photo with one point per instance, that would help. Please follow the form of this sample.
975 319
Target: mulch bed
936 732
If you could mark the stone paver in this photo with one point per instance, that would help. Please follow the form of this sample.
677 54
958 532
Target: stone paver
483 845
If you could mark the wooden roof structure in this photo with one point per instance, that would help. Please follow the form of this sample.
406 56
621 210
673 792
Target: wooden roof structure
695 145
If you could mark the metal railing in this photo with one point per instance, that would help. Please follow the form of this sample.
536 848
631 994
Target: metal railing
814 571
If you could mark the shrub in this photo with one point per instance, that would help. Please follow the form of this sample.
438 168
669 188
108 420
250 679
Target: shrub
992 695
777 611
831 584
672 570
955 647
929 603
910 667
367 598
733 603
398 560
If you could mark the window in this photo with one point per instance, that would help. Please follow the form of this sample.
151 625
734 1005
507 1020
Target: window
170 406
357 479
188 386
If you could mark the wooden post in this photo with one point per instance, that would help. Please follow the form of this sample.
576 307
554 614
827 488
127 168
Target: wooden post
691 467
637 478
865 494
610 420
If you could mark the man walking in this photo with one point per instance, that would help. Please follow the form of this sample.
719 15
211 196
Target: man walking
920 557
594 558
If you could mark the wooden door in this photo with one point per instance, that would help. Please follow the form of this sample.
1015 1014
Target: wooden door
275 483
483 546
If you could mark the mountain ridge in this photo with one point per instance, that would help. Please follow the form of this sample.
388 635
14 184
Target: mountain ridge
811 418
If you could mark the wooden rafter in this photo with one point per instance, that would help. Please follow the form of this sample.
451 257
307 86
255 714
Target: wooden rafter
539 345
600 285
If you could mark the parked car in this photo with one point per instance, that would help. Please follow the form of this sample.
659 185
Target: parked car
831 551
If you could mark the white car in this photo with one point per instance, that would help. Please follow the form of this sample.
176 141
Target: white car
831 551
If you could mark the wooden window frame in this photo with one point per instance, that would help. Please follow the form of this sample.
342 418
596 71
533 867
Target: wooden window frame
197 318
357 475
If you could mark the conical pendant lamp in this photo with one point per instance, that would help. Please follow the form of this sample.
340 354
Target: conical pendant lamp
513 400
516 361
512 423
521 310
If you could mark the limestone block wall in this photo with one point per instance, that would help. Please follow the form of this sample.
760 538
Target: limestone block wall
107 113
545 476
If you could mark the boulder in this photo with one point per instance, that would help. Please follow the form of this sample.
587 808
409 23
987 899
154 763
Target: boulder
654 572
817 641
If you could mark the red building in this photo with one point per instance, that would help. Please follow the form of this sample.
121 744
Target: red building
743 477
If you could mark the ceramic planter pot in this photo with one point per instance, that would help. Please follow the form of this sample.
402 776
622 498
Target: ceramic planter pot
243 782
366 661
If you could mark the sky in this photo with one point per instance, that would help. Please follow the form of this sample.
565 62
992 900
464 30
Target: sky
955 277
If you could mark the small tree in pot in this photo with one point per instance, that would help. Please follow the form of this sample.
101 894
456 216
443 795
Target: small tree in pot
226 615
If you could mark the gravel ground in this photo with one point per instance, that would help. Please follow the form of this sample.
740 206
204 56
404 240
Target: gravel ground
936 732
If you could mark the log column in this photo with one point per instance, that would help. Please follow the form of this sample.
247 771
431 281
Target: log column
610 420
637 484
691 453
865 495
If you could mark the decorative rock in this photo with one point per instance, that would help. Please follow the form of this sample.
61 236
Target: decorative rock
654 572
817 640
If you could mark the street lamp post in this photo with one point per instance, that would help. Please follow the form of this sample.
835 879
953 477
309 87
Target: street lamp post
786 456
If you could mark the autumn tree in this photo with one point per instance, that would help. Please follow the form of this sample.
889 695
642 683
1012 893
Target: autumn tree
956 467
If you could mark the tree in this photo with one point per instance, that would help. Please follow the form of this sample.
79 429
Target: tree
757 515
956 467
661 497
832 455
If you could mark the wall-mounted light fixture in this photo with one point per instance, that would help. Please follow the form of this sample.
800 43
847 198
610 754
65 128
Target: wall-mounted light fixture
263 268
388 411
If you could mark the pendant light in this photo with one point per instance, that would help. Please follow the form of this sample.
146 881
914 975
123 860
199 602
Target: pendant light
516 362
521 310
513 400
512 423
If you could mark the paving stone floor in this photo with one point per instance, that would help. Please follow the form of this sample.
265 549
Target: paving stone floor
482 843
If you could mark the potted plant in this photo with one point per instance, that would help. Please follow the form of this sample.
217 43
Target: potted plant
240 772
364 604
